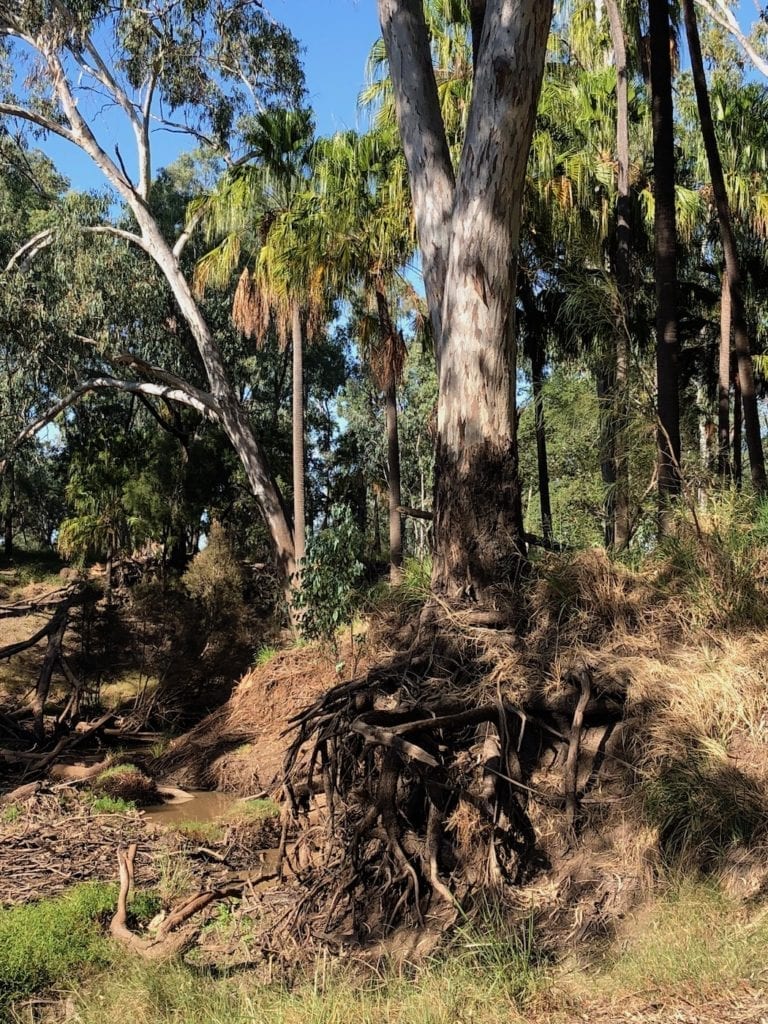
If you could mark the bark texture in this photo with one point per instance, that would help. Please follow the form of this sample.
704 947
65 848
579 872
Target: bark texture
478 516
665 232
724 385
390 360
730 253
621 260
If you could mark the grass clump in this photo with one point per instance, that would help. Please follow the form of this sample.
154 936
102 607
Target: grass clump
128 783
702 806
112 805
202 831
10 814
253 811
694 939
42 944
264 655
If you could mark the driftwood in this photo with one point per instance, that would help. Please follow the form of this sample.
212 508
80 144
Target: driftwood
171 939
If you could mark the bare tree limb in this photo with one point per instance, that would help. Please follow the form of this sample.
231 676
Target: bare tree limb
34 245
199 400
725 18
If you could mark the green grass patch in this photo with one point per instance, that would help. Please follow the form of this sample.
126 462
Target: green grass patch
253 811
111 805
264 655
43 944
10 814
116 770
695 939
202 831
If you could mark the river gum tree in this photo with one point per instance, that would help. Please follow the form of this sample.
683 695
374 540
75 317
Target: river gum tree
468 226
198 67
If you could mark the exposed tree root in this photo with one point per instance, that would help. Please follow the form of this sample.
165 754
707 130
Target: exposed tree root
171 938
426 779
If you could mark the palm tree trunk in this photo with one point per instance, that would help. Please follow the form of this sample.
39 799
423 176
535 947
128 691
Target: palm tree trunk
665 232
621 513
724 386
388 342
299 525
730 252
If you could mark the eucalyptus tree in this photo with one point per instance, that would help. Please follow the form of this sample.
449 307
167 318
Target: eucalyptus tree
468 225
196 67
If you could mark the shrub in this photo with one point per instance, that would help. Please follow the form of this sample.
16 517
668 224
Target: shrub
215 581
331 572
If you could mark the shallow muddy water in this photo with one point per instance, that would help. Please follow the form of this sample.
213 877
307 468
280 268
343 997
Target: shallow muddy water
202 805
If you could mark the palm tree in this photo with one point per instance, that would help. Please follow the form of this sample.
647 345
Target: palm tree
262 211
366 239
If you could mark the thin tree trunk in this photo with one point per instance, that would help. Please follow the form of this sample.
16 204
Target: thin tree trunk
537 380
389 343
730 252
665 232
623 241
52 654
724 385
737 442
10 489
299 525
605 379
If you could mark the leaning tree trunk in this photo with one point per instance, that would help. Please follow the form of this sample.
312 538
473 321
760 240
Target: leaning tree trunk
623 239
299 526
724 385
391 354
730 252
665 232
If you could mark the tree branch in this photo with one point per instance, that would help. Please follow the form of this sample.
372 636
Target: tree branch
199 400
192 222
43 239
724 17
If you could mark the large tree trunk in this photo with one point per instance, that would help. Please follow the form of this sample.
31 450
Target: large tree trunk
665 232
623 239
299 526
724 385
470 276
730 252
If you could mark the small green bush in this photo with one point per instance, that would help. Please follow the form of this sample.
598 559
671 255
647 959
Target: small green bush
43 943
10 814
215 581
331 572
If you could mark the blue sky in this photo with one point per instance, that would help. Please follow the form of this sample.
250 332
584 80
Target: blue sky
336 35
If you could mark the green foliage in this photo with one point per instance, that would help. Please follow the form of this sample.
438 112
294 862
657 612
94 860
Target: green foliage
143 907
215 581
330 576
247 811
42 944
11 813
264 655
112 805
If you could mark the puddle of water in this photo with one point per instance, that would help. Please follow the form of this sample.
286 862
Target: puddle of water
203 805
